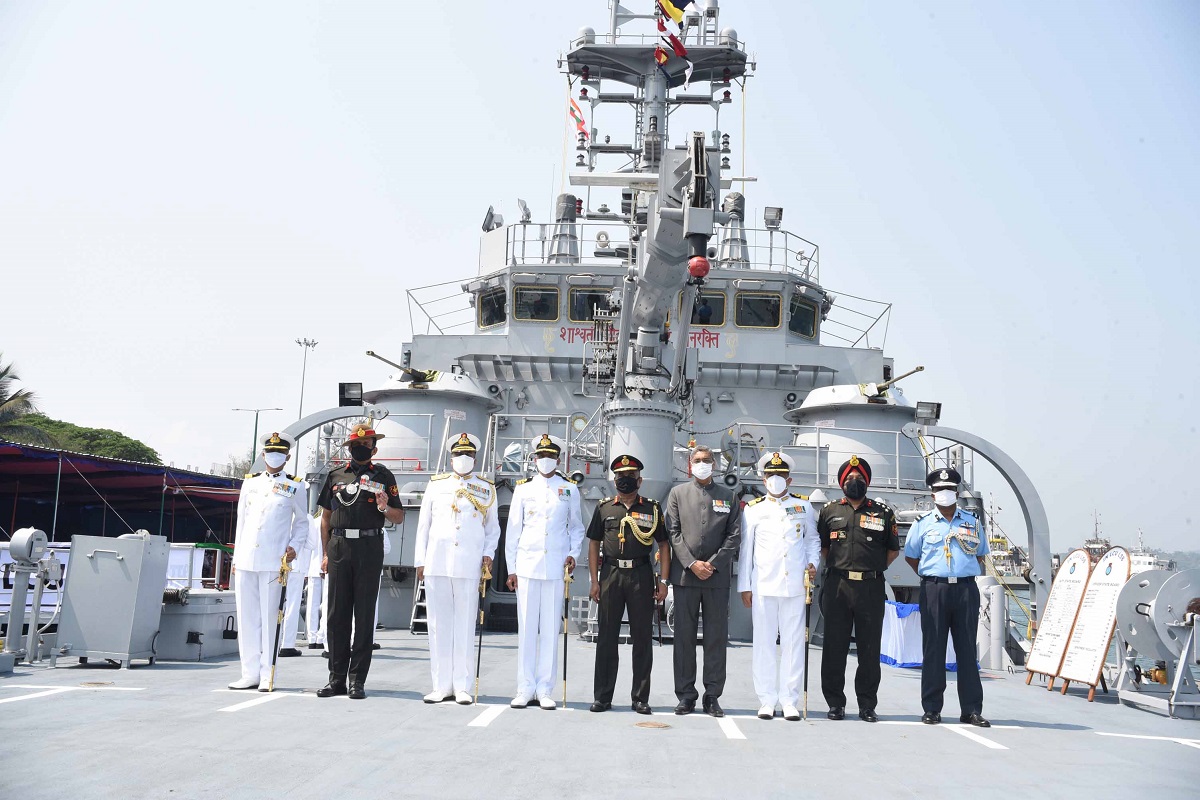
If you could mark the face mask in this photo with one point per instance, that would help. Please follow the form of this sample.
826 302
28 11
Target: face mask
462 464
946 498
546 466
360 452
702 470
855 488
275 460
627 484
776 484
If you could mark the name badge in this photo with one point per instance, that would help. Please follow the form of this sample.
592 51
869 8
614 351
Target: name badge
284 489
721 506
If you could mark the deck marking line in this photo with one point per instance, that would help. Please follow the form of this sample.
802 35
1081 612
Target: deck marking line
732 731
962 730
258 701
59 690
485 719
1188 742
73 688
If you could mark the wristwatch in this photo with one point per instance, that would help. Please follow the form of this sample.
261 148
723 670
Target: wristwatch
663 582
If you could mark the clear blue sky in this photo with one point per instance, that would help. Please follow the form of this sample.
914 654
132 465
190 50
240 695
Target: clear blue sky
187 187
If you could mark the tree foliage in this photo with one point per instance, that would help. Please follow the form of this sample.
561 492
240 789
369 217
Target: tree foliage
16 406
93 441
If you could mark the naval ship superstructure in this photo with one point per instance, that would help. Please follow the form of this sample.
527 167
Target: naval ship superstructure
647 314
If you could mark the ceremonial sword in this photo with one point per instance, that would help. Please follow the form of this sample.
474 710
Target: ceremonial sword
566 614
284 569
808 590
483 582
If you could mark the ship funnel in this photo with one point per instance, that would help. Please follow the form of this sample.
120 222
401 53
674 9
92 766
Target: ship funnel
733 251
564 244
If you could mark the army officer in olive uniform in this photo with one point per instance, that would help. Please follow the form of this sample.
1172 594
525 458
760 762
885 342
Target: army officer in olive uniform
625 529
858 542
357 501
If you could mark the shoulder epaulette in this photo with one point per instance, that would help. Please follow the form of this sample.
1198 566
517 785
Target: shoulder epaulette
290 477
606 500
439 476
253 474
486 479
566 478
799 496
524 480
758 499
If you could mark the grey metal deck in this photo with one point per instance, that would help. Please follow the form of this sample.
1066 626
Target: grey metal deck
173 730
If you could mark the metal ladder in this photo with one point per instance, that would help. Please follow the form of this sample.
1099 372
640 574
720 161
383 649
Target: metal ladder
418 623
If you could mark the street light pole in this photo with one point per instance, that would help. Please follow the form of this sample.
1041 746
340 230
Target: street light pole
254 443
307 344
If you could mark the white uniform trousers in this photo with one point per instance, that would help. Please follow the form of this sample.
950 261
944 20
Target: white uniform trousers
314 615
778 679
539 625
291 610
257 610
452 608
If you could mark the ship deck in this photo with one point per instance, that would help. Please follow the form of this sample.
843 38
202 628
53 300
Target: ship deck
173 730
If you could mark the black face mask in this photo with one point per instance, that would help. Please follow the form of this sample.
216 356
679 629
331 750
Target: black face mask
360 452
855 488
627 484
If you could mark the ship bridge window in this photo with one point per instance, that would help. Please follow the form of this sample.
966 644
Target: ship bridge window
583 303
802 317
535 303
491 307
757 309
709 310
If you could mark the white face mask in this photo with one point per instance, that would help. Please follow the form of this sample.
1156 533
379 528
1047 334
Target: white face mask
776 484
546 466
702 470
946 498
275 460
462 464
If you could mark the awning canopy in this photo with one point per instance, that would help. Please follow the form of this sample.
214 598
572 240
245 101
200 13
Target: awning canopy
109 496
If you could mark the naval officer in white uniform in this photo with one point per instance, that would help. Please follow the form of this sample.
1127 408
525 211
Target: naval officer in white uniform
314 614
291 607
457 536
272 521
545 533
779 544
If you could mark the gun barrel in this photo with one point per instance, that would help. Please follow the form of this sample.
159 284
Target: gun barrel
887 384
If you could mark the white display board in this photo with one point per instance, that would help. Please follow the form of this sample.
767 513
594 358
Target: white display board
1054 628
1096 620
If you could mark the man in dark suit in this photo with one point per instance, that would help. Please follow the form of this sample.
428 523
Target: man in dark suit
704 523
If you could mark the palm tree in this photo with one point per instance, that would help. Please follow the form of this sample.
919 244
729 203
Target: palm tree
15 404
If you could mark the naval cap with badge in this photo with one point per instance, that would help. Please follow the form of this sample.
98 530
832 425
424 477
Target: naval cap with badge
463 444
855 464
361 431
947 478
547 445
625 463
776 463
277 442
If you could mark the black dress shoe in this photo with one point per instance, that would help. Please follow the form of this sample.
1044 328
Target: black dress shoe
685 707
713 708
930 718
837 712
598 706
289 652
332 689
376 646
357 692
316 646
975 719
641 707
325 654
868 715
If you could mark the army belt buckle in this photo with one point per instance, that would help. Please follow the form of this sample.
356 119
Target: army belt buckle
351 533
854 576
952 580
625 563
